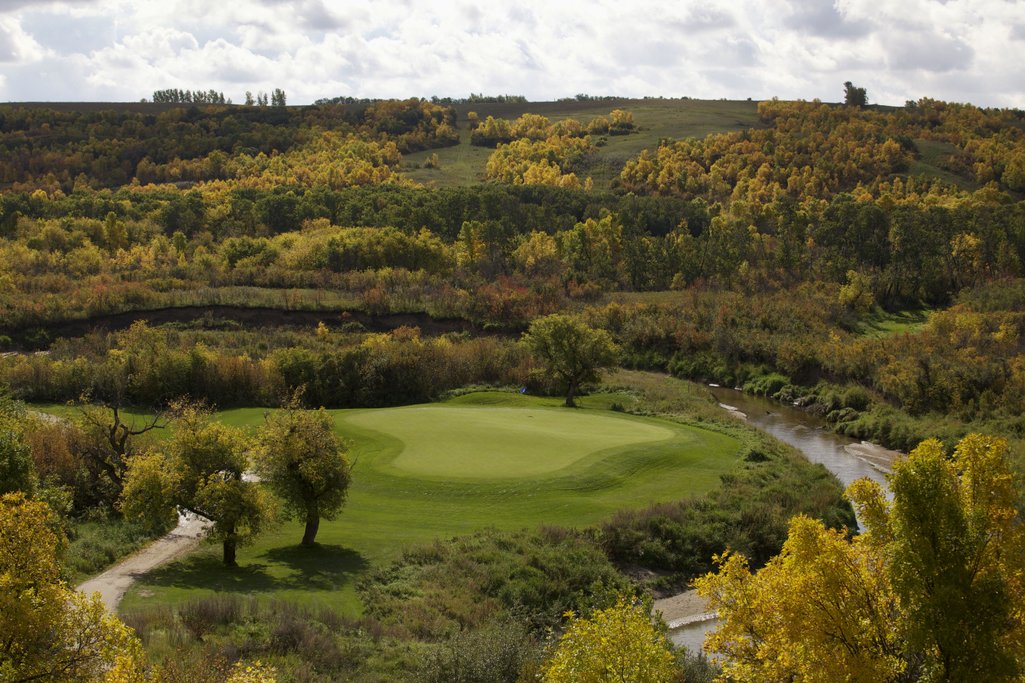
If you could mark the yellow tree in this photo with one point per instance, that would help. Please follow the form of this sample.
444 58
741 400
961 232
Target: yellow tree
934 588
618 644
303 462
49 632
200 470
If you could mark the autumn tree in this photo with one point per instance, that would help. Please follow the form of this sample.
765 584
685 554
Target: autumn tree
110 441
49 632
617 644
303 461
570 350
200 469
932 590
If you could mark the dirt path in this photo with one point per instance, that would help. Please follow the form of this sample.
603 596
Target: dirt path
113 583
683 608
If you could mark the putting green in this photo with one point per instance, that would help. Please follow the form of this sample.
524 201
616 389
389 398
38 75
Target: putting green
489 442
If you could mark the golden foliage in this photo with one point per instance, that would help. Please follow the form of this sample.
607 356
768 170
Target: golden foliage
620 643
51 632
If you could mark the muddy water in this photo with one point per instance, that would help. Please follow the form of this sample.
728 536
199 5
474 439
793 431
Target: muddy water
841 455
848 459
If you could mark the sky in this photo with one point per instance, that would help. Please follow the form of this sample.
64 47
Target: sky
899 50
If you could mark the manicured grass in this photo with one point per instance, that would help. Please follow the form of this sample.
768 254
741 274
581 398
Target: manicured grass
500 443
487 459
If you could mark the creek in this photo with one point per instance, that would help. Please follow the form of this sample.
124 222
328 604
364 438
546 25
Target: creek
846 458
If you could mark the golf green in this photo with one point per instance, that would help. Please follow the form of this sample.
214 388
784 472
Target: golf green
488 442
420 473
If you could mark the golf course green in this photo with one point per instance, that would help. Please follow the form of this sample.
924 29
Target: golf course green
488 459
488 442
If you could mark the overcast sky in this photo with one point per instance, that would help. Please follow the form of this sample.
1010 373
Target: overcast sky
122 50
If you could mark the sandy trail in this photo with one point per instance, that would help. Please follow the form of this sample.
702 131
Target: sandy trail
115 582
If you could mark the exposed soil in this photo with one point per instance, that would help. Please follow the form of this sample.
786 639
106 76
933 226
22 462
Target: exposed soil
219 316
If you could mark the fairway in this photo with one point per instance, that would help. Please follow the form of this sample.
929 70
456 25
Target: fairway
419 473
489 442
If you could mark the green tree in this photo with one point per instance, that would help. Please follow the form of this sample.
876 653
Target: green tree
570 350
110 442
853 96
617 644
200 470
303 462
49 632
934 589
17 472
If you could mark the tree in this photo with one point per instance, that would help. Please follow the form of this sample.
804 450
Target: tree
570 350
303 462
620 643
277 98
109 442
200 470
50 632
17 472
932 590
854 96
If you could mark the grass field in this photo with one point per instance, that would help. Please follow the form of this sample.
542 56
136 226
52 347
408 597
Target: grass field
482 460
464 164
885 323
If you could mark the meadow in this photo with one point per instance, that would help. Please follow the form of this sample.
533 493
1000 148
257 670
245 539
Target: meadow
463 164
481 460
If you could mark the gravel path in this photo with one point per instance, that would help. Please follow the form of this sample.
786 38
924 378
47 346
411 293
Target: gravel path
113 583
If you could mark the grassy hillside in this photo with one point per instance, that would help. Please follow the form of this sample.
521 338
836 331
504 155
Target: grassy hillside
463 164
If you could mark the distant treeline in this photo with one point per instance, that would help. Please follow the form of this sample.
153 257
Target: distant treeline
474 98
178 96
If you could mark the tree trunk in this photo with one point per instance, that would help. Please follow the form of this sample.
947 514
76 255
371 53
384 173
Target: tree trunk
312 525
570 403
230 545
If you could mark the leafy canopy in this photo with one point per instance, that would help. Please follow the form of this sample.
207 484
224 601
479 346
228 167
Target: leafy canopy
934 589
570 350
199 470
303 462
620 643
50 632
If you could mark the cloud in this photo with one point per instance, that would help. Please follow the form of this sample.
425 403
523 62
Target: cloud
16 46
935 53
822 18
123 49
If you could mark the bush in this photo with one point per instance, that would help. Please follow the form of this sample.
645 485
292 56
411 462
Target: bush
495 653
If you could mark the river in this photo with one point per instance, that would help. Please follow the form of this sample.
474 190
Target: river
848 459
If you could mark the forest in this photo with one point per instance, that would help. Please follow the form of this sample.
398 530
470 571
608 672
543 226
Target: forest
866 263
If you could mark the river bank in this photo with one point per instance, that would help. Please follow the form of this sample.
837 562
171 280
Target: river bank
688 615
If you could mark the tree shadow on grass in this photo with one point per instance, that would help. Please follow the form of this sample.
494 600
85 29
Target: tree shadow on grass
320 567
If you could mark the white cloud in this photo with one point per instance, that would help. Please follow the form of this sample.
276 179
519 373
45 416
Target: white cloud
897 49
